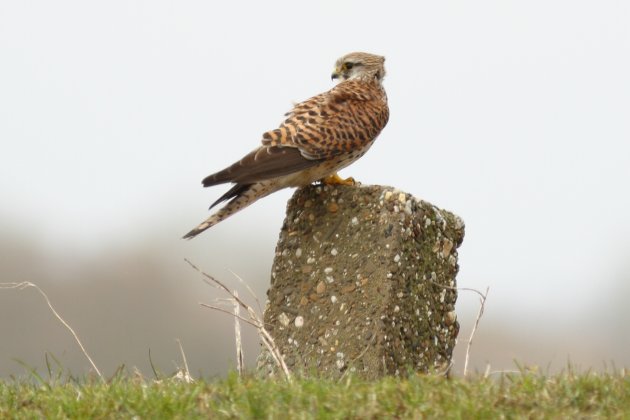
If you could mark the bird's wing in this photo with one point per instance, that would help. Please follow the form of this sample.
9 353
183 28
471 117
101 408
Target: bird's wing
266 162
347 117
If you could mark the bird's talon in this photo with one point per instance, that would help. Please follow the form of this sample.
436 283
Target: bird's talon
335 179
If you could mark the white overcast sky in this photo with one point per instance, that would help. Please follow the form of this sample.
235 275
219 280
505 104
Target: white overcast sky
514 115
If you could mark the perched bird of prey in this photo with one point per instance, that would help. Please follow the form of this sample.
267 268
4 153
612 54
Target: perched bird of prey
318 137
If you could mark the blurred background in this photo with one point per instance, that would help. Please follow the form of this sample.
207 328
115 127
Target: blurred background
513 115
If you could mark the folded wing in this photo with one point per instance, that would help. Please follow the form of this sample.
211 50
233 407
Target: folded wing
263 163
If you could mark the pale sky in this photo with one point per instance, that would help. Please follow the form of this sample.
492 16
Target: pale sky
513 115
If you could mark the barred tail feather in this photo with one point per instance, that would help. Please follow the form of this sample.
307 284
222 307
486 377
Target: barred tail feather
240 197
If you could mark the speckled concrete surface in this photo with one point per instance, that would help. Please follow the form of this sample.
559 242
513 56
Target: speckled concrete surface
363 279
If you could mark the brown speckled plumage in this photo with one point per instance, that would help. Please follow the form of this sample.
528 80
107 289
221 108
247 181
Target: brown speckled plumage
318 137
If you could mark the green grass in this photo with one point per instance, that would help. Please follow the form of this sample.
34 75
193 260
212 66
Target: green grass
524 395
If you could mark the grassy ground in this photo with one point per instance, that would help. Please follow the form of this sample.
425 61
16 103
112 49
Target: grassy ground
527 394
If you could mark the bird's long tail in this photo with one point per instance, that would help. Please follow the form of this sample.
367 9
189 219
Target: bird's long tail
239 196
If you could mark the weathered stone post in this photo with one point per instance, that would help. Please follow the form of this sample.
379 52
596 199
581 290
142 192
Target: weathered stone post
363 280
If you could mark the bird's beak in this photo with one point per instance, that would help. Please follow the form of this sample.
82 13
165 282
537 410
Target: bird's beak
334 75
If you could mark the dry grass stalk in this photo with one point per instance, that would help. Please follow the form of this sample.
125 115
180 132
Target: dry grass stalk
237 336
482 300
183 375
482 305
25 284
253 319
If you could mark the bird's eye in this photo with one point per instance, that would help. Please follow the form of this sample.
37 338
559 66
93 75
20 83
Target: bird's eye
349 66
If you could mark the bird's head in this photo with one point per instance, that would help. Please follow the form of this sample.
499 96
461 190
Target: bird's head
359 65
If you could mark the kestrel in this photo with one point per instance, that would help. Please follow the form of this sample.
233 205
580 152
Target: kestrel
319 137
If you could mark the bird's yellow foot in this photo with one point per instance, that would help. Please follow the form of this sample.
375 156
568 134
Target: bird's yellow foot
335 179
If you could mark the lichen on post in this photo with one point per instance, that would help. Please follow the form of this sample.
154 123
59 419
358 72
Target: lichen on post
363 281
